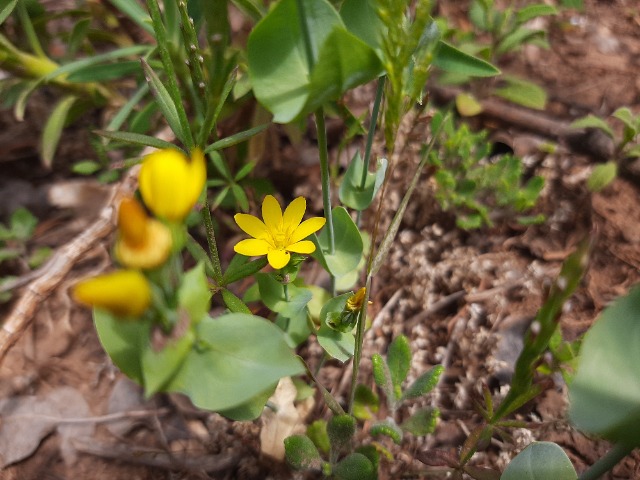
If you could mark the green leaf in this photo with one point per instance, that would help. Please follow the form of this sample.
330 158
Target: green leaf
591 121
164 101
532 11
633 152
273 296
522 92
22 224
317 432
194 294
625 116
159 366
124 341
361 19
290 82
340 345
341 429
382 377
334 305
399 361
86 167
233 303
104 73
351 193
602 175
72 67
53 129
237 271
450 59
517 38
389 429
278 63
467 105
423 422
296 329
344 62
355 467
235 139
6 7
605 393
348 244
237 356
540 461
365 403
424 383
136 13
301 453
136 139
251 409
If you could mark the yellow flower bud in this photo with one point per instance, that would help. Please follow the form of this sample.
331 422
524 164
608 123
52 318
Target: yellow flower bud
123 292
170 183
142 241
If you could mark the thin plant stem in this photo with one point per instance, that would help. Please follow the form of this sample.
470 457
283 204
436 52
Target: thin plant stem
606 463
211 240
324 172
172 83
322 140
357 354
370 134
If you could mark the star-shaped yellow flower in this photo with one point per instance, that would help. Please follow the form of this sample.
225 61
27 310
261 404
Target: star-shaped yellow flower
280 234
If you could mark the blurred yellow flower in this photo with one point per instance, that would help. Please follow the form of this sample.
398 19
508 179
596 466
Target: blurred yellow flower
142 241
170 183
123 292
279 234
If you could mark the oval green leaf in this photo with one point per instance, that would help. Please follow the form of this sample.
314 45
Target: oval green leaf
540 461
450 59
348 244
605 393
53 129
237 356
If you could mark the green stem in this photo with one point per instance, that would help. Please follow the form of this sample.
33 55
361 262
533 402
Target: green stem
357 354
172 83
606 463
370 135
211 240
324 172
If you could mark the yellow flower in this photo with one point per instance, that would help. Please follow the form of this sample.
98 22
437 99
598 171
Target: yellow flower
279 234
123 292
354 302
170 183
142 242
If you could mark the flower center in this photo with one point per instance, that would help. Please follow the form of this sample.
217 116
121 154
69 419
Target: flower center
280 239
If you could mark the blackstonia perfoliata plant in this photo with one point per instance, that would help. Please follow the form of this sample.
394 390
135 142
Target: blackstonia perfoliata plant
153 310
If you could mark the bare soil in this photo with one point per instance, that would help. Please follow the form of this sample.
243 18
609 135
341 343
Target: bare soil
463 298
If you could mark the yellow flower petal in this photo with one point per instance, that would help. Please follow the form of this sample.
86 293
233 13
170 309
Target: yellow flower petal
306 228
152 252
132 222
278 258
252 247
170 183
293 215
123 292
272 214
251 225
305 247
